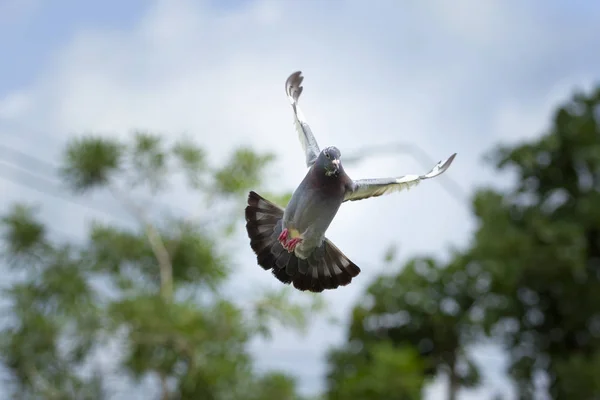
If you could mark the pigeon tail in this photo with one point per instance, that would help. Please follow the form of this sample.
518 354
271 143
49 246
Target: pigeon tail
326 268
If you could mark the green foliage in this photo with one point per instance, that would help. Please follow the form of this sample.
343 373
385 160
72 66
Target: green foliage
74 297
243 170
192 251
91 162
203 346
425 309
191 159
540 246
274 305
281 200
275 386
55 298
22 234
388 372
578 375
149 160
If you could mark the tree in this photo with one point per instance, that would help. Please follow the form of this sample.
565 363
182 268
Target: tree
379 371
275 386
408 327
539 244
153 289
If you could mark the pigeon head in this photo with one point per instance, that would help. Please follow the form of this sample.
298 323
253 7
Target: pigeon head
329 161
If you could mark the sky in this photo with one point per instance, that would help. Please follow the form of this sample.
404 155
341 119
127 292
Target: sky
447 77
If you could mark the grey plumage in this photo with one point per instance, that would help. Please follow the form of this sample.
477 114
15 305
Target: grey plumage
291 242
365 188
293 90
325 268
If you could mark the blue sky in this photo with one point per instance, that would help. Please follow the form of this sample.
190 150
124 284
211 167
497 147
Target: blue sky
448 77
33 36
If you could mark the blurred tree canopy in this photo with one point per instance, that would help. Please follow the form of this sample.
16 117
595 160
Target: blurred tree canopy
540 244
419 321
529 279
151 290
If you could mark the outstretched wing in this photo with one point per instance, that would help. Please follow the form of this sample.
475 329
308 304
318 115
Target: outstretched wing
365 188
309 144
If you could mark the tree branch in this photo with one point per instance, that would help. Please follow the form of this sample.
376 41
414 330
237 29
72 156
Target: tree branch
165 389
156 243
164 263
38 380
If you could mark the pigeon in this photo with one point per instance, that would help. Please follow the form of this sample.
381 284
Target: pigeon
291 241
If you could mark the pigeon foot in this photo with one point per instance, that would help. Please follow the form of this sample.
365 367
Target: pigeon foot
289 239
290 246
283 236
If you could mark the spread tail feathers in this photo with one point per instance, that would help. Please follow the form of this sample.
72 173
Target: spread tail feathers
326 268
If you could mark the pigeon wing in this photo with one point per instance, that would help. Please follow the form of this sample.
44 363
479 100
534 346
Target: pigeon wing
365 188
293 89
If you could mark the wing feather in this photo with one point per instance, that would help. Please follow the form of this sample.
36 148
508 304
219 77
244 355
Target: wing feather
293 90
365 188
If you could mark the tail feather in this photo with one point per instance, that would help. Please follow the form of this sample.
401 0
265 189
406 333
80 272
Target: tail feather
283 261
303 266
334 271
281 275
277 251
265 259
302 282
344 269
326 268
315 283
328 281
262 218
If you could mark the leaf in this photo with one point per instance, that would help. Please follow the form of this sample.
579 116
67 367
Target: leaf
148 160
277 306
242 172
22 233
192 161
90 162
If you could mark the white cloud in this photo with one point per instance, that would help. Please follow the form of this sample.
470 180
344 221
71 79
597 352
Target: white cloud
448 78
14 105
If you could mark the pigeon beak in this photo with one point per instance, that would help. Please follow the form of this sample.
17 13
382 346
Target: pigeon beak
336 167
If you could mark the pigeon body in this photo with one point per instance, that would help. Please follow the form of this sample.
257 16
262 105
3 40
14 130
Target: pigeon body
315 202
291 242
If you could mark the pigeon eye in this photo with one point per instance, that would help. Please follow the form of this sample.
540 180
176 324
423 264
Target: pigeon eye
327 155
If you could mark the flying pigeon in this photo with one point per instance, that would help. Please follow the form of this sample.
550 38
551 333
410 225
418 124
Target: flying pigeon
291 242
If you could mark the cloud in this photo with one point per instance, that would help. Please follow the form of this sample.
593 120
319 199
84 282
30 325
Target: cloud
14 105
447 78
